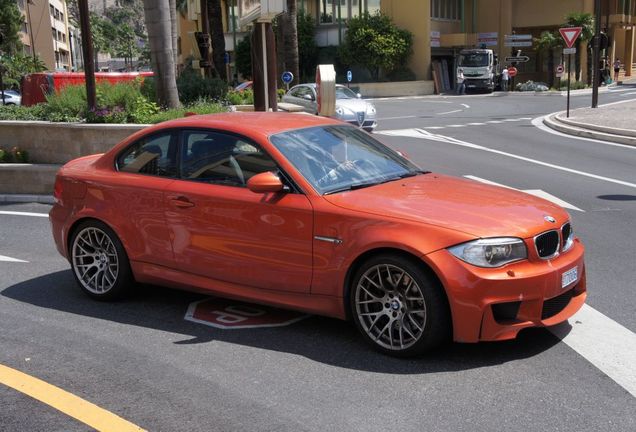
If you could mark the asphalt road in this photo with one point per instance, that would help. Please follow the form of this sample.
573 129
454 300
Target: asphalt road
140 359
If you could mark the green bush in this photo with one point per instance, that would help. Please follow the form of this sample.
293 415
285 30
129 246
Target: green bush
402 73
15 155
245 97
22 113
200 107
67 105
193 87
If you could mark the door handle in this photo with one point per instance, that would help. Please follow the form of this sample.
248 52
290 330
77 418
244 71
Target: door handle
181 202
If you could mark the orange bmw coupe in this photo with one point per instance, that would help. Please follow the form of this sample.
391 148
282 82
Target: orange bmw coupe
312 214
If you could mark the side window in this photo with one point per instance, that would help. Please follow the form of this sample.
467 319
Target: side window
155 155
219 158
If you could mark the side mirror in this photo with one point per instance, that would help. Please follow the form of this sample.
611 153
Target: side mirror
358 95
265 182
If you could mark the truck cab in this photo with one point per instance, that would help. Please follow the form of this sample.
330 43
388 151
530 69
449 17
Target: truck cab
479 67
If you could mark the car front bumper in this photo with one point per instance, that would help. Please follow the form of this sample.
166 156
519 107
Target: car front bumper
479 84
495 304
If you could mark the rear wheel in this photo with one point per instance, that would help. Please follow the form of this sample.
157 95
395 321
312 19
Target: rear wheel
99 261
397 307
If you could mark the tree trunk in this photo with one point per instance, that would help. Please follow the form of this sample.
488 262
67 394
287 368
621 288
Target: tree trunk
291 40
217 37
157 15
174 32
577 61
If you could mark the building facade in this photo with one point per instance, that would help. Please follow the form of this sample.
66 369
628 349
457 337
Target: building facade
46 33
441 28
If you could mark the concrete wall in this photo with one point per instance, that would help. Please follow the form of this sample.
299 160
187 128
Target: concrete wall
414 16
58 143
390 89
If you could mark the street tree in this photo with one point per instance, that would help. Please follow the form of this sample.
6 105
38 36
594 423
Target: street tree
307 48
290 39
10 23
547 43
158 24
586 22
375 43
17 65
217 37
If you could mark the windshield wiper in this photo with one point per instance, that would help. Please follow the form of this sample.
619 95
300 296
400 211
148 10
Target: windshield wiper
413 173
354 187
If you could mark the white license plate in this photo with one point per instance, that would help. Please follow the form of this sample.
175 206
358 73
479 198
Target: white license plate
569 277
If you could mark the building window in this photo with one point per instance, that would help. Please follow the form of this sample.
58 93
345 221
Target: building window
332 10
52 10
54 32
21 4
23 29
446 10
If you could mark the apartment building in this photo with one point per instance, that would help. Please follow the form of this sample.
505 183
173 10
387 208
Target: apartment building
45 32
443 27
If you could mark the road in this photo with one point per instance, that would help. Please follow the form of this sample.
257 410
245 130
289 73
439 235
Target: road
140 360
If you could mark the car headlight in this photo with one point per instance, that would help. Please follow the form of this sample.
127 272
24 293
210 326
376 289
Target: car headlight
568 236
491 252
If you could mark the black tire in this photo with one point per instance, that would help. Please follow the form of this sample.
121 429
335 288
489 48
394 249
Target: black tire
398 307
99 262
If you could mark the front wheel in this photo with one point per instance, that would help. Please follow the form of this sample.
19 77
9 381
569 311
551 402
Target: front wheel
99 261
398 308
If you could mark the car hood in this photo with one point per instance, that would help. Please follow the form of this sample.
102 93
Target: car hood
453 203
354 105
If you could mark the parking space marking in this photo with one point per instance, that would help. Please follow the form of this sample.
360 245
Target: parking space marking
609 346
16 213
422 134
9 259
69 404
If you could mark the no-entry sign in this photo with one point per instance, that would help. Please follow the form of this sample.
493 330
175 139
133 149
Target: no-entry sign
232 314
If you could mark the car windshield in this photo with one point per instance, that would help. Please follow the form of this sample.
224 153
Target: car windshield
340 158
345 93
473 60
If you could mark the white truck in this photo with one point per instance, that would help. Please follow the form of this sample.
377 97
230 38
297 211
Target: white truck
480 69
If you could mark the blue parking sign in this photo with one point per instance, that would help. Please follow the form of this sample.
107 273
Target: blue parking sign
349 76
287 77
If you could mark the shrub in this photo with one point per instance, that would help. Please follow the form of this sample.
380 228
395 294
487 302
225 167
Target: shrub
402 73
15 155
200 107
22 113
193 87
67 105
243 57
244 97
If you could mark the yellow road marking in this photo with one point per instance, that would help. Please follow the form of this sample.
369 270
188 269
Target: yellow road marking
71 405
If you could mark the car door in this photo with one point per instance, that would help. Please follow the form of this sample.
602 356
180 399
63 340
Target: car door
136 195
224 231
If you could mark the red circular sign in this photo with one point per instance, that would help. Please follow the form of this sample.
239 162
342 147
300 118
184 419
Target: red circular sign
512 71
231 314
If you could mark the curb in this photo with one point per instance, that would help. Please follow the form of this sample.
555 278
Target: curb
553 122
597 128
26 198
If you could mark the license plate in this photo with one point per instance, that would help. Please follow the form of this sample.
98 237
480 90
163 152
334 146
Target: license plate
569 277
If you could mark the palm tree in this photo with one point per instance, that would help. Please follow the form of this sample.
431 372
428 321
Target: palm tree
547 42
173 30
158 24
290 38
217 38
586 22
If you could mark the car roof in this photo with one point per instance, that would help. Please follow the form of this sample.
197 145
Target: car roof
250 123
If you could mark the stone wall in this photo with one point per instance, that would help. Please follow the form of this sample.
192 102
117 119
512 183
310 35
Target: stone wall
392 89
58 143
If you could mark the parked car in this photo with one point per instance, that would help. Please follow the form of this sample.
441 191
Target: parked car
350 107
11 97
243 86
309 213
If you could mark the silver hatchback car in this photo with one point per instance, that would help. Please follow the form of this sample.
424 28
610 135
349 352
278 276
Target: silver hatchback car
350 107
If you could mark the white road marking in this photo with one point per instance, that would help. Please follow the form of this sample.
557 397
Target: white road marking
476 124
422 134
603 342
536 192
450 112
466 105
397 118
14 213
9 259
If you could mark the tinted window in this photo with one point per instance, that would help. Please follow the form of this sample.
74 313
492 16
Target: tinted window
222 159
155 155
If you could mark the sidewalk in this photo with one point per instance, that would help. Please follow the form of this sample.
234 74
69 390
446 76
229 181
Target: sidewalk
613 122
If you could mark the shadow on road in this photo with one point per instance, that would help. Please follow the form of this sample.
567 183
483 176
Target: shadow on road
618 197
321 339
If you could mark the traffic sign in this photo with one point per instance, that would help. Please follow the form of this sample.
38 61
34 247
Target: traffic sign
510 43
512 71
230 314
287 77
349 76
560 68
570 34
569 50
518 37
517 59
